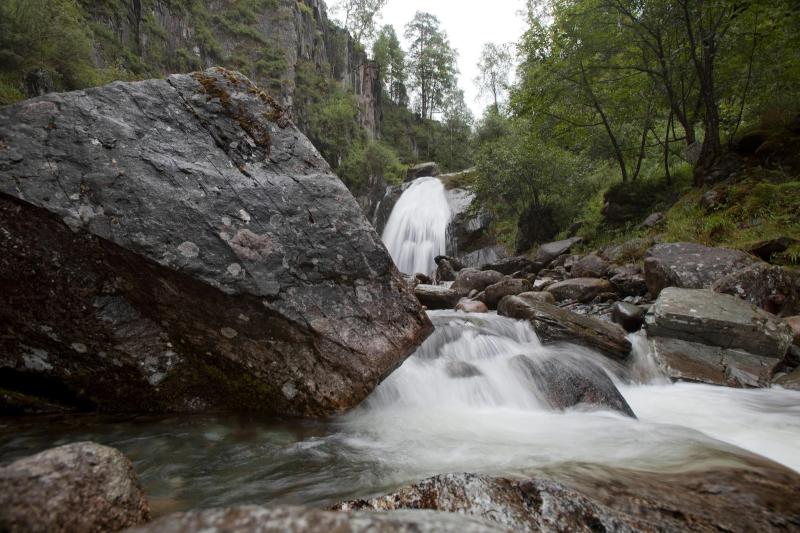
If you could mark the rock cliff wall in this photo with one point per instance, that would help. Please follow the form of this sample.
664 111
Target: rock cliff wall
270 41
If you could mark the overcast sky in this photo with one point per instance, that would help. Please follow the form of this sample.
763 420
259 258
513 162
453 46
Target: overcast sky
469 24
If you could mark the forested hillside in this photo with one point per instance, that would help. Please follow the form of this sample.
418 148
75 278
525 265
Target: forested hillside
620 105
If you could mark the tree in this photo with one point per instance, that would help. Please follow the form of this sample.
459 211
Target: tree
392 60
454 146
494 66
359 17
432 63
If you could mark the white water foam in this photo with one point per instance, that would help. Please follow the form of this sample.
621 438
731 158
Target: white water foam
417 228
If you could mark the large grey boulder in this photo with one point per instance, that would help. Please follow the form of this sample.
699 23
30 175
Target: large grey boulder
549 251
76 487
565 383
482 256
773 288
690 265
581 289
179 245
257 519
706 317
757 496
512 265
553 324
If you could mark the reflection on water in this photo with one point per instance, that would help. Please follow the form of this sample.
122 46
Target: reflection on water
424 421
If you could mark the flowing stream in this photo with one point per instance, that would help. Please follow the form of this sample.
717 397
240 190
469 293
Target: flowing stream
428 418
417 228
459 404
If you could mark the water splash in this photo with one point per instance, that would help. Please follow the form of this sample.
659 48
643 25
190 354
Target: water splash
417 228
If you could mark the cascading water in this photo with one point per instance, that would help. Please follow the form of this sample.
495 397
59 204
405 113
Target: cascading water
417 228
461 403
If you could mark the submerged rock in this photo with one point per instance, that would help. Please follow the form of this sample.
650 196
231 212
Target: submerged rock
257 519
462 370
690 265
76 487
553 324
178 245
760 496
567 384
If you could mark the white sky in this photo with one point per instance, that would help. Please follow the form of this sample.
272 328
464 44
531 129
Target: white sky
469 24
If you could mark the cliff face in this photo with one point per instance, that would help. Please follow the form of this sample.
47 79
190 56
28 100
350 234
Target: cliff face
270 41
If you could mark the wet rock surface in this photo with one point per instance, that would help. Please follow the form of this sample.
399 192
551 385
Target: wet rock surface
566 384
629 316
759 497
256 519
553 324
690 265
167 245
547 252
76 487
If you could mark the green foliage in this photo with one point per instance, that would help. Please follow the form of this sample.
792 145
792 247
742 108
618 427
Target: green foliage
368 161
50 35
431 64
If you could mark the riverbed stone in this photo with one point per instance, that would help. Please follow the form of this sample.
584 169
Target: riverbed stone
551 250
178 245
258 519
436 296
773 288
538 296
690 265
794 323
512 265
629 316
693 361
565 384
75 487
470 279
507 287
444 271
590 266
580 289
553 324
471 306
706 317
628 280
756 496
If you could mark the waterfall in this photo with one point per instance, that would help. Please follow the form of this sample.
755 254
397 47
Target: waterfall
417 228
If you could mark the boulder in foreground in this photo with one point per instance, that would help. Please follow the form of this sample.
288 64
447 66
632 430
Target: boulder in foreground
758 497
179 245
76 487
256 519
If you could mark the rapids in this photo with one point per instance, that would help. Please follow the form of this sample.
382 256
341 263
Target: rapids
422 421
